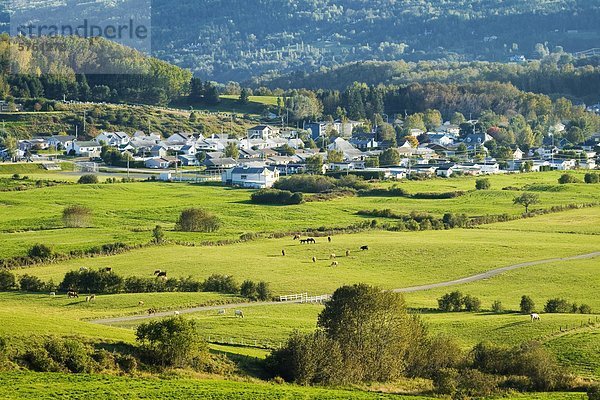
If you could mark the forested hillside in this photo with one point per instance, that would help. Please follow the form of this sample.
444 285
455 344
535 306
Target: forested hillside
557 75
112 72
237 39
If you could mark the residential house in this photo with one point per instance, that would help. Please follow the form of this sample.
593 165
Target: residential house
158 151
85 149
220 163
113 139
188 150
248 177
563 165
445 170
158 163
188 160
364 143
263 132
477 139
61 142
442 139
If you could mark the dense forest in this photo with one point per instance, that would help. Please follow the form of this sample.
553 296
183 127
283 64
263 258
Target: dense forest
235 40
557 75
86 70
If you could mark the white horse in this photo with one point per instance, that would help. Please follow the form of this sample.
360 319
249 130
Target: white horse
239 313
535 317
221 312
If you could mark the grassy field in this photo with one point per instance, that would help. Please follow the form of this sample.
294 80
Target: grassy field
395 260
21 386
128 212
35 214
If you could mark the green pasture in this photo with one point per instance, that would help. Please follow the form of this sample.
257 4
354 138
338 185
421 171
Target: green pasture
394 259
45 386
128 212
575 280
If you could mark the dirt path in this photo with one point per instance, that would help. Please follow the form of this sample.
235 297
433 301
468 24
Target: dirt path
473 278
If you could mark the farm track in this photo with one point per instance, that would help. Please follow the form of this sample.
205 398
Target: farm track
473 278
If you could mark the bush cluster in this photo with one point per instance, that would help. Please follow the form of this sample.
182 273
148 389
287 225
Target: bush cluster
276 197
198 220
88 179
306 184
562 306
456 302
104 282
592 177
568 178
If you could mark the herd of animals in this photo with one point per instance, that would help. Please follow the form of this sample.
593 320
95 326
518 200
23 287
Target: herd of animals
71 294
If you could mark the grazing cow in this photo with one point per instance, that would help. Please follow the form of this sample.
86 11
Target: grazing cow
334 264
314 259
311 240
93 297
158 271
151 311
82 269
52 294
332 257
107 269
329 239
162 274
72 294
221 311
87 299
303 241
283 253
140 303
347 253
364 248
176 313
239 313
296 237
535 317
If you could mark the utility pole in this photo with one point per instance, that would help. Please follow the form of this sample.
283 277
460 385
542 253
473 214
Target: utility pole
84 112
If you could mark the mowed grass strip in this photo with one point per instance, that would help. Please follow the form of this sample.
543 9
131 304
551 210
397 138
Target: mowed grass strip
394 260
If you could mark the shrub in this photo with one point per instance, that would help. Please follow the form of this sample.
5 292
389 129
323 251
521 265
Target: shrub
248 290
276 196
593 392
445 381
7 280
172 342
451 302
559 306
497 307
568 178
585 309
198 220
263 292
89 179
33 284
471 303
158 234
483 184
592 177
91 281
127 363
352 182
220 284
40 251
306 184
527 305
76 216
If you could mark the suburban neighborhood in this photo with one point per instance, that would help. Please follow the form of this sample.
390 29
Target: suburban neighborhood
267 152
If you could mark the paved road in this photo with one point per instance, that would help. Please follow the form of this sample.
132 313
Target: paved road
473 278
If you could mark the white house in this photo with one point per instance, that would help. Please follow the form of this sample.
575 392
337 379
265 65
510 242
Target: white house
263 132
61 141
251 177
85 149
157 163
113 139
